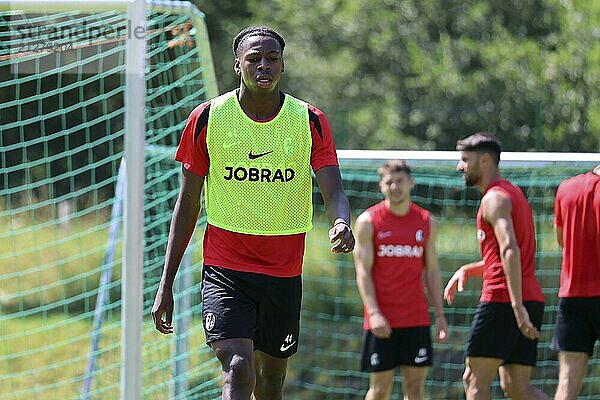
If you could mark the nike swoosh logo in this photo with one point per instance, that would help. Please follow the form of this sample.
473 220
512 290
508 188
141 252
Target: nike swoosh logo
255 156
284 347
231 144
419 360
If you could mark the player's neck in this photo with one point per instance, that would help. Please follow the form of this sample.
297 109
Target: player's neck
400 209
486 179
259 106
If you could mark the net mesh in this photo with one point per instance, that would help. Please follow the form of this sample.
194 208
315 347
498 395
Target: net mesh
328 361
62 84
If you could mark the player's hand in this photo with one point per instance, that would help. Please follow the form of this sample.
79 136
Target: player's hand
163 306
380 326
341 231
457 282
524 323
441 329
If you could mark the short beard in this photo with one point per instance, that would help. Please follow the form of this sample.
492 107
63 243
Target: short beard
470 181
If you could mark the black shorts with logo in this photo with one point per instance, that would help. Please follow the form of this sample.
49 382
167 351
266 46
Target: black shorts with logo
577 324
495 334
259 307
406 346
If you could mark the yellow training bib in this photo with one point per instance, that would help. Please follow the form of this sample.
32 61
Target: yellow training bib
259 179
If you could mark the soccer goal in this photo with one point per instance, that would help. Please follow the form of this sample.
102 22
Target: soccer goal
86 88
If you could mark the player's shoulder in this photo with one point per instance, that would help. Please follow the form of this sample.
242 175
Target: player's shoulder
421 211
313 111
501 189
318 121
370 214
496 199
201 110
375 214
364 217
363 226
573 181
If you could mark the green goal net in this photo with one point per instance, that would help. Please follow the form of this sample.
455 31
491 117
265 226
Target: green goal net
61 193
62 88
327 365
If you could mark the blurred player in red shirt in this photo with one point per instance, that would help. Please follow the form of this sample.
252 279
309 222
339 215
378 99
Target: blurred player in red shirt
505 329
395 249
577 222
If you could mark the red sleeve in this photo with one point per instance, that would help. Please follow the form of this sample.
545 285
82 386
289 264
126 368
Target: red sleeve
192 151
323 152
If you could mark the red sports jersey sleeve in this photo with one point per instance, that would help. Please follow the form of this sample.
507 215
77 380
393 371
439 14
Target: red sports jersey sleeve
323 152
192 151
577 211
271 255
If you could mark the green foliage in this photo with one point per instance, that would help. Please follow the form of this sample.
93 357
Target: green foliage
420 74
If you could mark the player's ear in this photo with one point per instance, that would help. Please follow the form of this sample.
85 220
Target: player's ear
236 66
282 66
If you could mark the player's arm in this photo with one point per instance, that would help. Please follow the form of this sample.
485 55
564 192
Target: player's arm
497 212
434 281
364 256
337 208
183 222
558 230
460 277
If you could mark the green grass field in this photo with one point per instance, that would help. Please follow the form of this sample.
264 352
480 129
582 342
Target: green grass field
46 313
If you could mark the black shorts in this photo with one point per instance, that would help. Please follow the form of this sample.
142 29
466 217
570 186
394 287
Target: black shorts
577 324
259 307
495 334
405 346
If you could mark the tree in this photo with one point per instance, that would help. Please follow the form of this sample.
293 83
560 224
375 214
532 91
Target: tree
421 73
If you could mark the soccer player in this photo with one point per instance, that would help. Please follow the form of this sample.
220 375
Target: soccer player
505 329
395 249
254 147
577 222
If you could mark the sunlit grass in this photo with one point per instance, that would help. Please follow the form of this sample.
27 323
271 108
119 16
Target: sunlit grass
48 357
50 276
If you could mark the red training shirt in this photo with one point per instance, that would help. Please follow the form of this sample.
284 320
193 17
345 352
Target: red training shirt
494 287
279 256
577 211
399 246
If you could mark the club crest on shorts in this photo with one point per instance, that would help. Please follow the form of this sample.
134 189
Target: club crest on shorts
374 359
480 235
209 321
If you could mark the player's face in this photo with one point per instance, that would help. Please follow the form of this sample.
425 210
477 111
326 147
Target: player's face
469 166
259 63
396 187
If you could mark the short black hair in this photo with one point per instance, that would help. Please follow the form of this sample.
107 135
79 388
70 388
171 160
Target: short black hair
481 142
256 31
392 166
